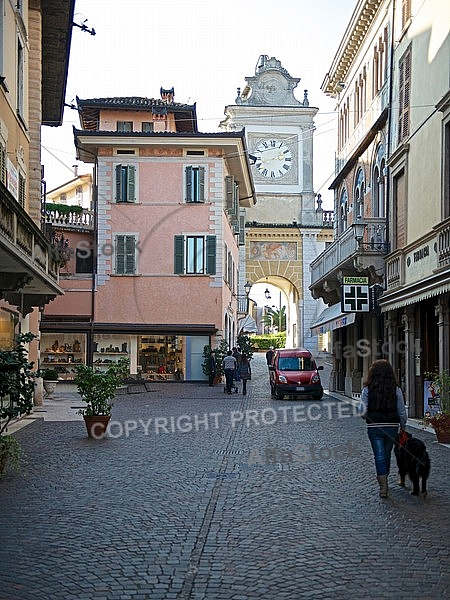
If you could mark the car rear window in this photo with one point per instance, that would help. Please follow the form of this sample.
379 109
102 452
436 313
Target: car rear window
295 363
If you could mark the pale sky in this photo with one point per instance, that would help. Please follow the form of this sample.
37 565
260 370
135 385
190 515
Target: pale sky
204 49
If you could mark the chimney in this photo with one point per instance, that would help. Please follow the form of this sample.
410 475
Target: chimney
75 170
167 95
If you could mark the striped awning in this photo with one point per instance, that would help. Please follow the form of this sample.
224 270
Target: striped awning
412 295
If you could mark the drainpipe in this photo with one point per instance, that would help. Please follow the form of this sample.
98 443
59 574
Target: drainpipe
90 341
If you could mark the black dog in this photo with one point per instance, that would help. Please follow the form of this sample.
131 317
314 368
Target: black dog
413 460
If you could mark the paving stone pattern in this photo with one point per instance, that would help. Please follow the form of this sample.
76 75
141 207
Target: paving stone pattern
280 505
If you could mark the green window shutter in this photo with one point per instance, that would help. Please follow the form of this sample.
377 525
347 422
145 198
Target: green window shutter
119 183
131 183
189 184
125 254
229 193
201 184
130 250
242 229
179 254
211 254
120 254
236 200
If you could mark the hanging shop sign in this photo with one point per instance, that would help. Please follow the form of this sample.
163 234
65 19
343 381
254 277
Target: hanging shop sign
355 294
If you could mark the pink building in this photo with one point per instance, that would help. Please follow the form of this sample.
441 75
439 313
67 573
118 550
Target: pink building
169 207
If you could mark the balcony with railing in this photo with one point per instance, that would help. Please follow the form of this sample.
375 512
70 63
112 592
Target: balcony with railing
28 266
425 258
79 219
348 255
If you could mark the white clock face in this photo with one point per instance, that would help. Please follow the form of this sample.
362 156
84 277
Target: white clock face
273 159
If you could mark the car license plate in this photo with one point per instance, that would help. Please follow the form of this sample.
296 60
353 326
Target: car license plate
299 389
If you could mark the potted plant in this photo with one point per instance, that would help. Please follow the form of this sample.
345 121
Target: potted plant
220 354
49 380
16 396
440 420
97 389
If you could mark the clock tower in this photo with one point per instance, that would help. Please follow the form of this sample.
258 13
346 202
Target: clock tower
285 229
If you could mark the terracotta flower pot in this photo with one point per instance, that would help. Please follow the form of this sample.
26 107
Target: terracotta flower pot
442 435
96 425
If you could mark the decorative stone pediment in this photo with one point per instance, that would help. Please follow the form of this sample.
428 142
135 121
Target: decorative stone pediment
270 86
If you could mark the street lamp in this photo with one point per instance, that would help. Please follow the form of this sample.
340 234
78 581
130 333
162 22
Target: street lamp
376 241
358 229
267 294
247 288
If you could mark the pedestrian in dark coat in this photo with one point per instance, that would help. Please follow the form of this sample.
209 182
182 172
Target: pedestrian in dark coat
246 372
269 355
212 366
238 356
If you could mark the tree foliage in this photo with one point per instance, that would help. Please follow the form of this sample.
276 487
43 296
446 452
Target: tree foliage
275 319
16 381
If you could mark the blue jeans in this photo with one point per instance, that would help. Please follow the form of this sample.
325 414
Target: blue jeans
382 440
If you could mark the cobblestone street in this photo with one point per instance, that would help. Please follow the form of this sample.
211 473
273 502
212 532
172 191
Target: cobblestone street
199 495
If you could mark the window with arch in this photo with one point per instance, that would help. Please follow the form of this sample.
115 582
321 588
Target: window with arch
358 195
343 210
378 183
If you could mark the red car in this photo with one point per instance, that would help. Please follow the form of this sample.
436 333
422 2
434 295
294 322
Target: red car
294 372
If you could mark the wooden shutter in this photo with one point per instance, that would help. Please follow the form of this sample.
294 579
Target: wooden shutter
130 250
242 229
201 184
403 96
188 173
399 210
179 254
236 200
125 254
406 12
229 194
211 254
119 183
131 183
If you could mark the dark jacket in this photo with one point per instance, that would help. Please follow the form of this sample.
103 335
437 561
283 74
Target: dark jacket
374 418
246 372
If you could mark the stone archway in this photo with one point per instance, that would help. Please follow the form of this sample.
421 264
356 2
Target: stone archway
275 256
285 296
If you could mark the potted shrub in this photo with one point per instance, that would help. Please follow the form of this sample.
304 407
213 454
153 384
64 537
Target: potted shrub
16 396
440 421
98 389
49 380
220 354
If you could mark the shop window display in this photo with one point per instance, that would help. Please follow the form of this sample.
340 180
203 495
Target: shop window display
161 357
63 352
108 349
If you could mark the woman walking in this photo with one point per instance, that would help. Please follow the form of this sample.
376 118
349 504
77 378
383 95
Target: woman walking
383 407
246 372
